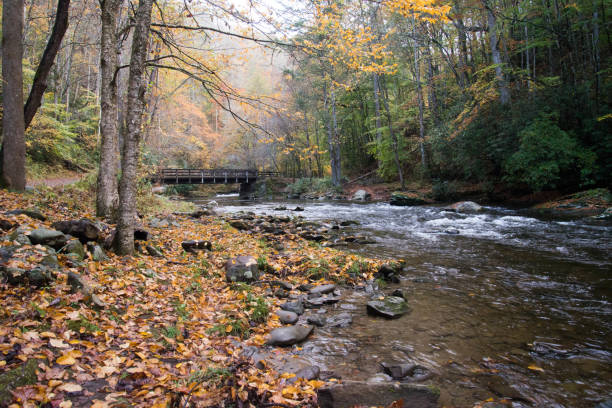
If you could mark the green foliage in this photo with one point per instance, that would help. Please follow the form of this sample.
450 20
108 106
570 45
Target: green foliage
258 308
180 189
312 185
444 190
549 157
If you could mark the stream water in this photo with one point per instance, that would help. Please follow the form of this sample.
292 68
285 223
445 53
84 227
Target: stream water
491 294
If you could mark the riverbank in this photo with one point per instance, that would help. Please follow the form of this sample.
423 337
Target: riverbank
83 327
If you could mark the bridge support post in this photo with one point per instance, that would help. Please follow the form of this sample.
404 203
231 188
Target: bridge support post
247 190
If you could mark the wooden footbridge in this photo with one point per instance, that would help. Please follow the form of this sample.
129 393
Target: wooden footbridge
245 177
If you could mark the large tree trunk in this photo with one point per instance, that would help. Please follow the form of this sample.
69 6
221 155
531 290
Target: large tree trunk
335 159
135 106
504 92
107 195
13 128
39 85
417 78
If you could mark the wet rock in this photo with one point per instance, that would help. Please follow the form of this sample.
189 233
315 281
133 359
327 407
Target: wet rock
305 287
312 237
44 236
241 269
154 252
451 231
287 317
296 307
321 300
85 230
287 336
605 404
549 350
400 293
280 208
298 209
322 289
74 249
407 371
361 393
465 207
379 378
501 388
308 373
343 319
316 320
388 273
346 223
20 376
401 199
390 307
239 225
202 213
193 247
30 213
361 195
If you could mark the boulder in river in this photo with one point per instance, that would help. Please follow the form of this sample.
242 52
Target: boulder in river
317 320
361 195
322 289
360 393
465 207
44 236
85 230
242 269
401 199
287 336
390 307
407 371
287 317
388 273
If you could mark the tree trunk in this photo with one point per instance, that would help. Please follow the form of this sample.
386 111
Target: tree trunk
39 85
417 78
107 195
396 158
336 169
124 239
504 92
376 85
13 128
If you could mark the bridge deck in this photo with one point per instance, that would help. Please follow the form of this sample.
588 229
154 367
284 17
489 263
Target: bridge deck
211 176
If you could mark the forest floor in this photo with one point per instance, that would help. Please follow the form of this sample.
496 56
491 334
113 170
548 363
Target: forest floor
147 330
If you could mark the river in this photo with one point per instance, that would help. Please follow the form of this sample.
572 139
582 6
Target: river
504 304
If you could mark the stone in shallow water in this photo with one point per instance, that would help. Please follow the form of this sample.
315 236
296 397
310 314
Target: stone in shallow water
287 336
360 393
317 320
322 289
296 307
390 307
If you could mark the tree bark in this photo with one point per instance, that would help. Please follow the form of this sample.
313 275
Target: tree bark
107 195
394 140
135 106
39 85
504 92
13 128
376 86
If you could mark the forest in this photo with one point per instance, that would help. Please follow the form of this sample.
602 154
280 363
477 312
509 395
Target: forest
336 267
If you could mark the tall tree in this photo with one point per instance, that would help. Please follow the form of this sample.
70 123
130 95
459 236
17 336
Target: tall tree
124 239
13 128
107 194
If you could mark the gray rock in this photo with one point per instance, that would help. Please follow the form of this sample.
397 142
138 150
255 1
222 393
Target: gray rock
400 293
85 230
360 393
316 320
320 301
239 225
398 370
241 269
287 317
287 336
97 253
465 207
322 289
154 252
308 373
79 284
296 307
75 249
361 195
379 378
44 236
30 213
343 319
390 307
51 261
193 247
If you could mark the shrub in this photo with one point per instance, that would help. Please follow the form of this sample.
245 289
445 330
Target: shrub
548 157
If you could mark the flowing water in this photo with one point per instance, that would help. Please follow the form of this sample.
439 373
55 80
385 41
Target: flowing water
503 304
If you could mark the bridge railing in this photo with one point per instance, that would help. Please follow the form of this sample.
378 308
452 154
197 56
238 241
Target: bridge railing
166 174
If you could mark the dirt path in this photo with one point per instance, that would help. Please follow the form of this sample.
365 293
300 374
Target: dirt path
55 182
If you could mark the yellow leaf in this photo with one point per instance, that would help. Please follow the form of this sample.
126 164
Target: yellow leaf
535 368
66 359
228 328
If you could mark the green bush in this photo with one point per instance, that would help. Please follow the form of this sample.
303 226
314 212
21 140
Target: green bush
548 157
444 190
